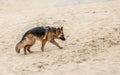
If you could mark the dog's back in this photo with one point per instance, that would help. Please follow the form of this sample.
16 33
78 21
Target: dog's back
37 31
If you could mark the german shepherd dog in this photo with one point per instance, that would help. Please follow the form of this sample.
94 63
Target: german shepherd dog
42 34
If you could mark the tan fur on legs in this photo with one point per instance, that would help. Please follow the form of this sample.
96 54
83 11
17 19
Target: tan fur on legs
30 40
43 45
48 38
28 49
25 50
55 43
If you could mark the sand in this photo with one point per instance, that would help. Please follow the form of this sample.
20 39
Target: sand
92 31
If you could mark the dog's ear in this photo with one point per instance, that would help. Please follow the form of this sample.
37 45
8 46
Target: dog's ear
58 29
62 28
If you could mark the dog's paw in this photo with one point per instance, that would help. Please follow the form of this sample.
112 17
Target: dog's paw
30 52
61 47
18 51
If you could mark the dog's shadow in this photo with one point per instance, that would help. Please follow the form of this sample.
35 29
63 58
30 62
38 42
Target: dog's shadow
36 52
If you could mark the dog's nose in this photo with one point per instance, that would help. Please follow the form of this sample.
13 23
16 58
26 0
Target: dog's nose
64 39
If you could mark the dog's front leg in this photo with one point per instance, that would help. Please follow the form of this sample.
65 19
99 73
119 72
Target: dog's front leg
55 43
43 44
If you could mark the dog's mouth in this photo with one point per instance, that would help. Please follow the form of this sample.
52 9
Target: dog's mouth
62 38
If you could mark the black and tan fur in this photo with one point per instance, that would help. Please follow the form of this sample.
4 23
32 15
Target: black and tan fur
42 34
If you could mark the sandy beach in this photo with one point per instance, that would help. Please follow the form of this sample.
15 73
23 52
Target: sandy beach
92 30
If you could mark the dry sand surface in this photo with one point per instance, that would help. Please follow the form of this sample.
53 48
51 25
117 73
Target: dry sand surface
92 31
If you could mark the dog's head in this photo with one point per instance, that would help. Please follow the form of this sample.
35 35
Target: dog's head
60 33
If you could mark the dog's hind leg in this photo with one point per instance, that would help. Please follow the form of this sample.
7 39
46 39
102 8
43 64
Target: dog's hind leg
31 43
25 50
28 48
55 43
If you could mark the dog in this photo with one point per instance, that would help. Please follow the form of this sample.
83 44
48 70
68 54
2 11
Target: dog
43 34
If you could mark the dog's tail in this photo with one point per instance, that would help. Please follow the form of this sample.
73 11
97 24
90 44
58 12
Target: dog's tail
21 44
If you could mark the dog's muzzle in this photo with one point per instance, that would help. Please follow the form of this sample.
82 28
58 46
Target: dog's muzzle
62 38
